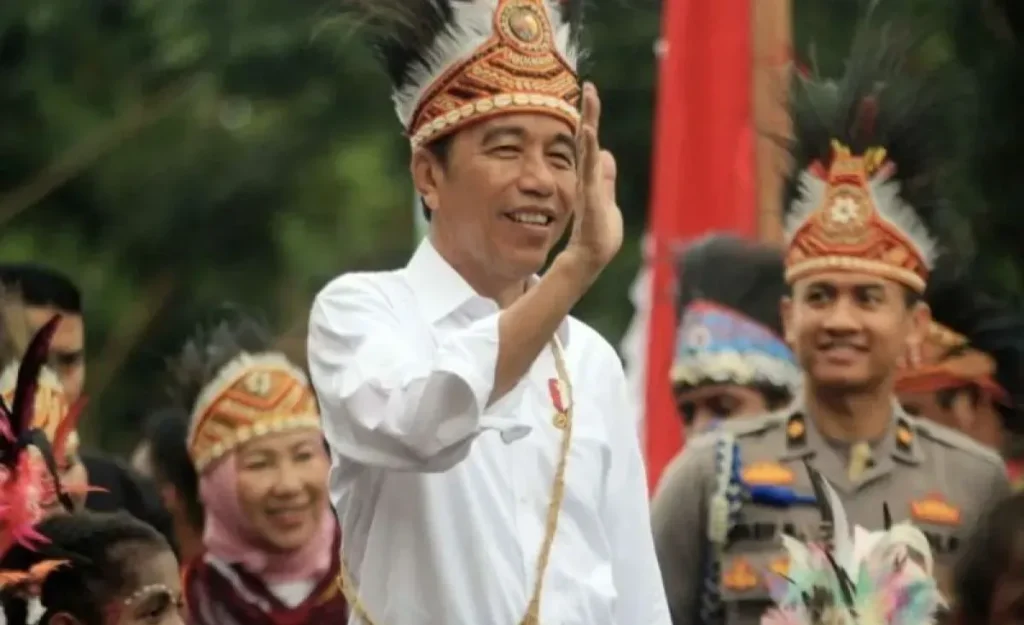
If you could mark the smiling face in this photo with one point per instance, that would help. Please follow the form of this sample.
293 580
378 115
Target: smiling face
504 194
282 487
850 331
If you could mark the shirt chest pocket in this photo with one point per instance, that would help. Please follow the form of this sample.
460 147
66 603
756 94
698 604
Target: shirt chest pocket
744 580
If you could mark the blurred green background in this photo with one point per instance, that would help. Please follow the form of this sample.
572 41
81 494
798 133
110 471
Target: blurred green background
173 156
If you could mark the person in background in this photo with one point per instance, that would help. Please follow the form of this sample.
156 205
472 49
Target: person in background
270 544
969 372
166 462
46 292
730 359
485 465
864 214
93 569
989 578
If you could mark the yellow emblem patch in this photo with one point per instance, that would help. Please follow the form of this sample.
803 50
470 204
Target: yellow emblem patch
740 576
936 510
780 566
767 474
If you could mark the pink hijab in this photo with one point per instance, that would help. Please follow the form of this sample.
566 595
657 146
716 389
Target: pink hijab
230 536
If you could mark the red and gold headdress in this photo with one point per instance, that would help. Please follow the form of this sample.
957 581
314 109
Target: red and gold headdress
456 62
974 340
238 390
870 152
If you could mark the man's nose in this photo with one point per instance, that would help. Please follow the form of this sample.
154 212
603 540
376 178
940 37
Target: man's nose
842 317
536 177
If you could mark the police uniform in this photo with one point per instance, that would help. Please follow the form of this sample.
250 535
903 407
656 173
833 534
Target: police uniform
862 197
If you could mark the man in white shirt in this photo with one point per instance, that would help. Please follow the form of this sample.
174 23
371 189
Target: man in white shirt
486 468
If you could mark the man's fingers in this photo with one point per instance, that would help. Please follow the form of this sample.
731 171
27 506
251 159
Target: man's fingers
590 159
591 114
609 173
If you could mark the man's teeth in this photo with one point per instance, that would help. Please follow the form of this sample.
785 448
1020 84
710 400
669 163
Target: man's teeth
531 218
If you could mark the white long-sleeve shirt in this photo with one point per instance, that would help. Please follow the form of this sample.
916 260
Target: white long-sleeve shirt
442 500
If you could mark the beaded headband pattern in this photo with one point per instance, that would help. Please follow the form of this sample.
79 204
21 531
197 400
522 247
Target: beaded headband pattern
252 396
718 345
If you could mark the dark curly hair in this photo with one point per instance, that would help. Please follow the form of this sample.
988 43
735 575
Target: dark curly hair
99 548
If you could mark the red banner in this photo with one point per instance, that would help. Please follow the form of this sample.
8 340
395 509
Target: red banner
703 173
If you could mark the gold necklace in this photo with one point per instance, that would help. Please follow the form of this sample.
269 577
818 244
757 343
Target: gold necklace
563 421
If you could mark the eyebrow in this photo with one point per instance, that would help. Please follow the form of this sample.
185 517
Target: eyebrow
498 132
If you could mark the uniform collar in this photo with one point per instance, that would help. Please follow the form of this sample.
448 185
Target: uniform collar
440 290
900 444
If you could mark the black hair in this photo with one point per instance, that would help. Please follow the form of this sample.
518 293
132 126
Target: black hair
166 433
42 286
209 350
99 549
995 544
441 149
738 274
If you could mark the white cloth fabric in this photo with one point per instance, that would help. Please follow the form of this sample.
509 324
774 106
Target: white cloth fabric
442 500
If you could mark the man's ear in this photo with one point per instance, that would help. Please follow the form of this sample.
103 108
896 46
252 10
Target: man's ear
427 175
786 314
63 618
169 496
920 323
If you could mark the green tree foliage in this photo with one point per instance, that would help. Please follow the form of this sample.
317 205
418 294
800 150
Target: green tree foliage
173 156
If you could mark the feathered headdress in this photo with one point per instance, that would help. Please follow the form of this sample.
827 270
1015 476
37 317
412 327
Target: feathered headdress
454 62
974 339
236 389
730 329
869 155
853 576
29 479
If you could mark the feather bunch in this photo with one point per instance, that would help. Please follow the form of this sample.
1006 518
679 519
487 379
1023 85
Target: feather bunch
884 99
990 325
735 273
854 576
209 350
417 40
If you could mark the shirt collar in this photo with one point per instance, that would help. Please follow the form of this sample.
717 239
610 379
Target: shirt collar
441 290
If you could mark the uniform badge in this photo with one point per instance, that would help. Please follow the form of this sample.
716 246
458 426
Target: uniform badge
740 576
556 388
796 431
767 474
936 510
780 566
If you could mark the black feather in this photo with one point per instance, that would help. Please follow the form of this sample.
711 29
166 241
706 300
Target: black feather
886 517
744 276
22 409
211 347
990 325
917 107
824 506
401 32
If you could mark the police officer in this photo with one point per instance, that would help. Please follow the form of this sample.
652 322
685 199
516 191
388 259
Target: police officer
862 216
730 360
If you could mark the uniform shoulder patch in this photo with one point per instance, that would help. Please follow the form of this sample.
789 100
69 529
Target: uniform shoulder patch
957 440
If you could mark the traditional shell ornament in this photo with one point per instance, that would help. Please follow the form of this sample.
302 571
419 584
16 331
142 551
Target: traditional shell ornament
456 62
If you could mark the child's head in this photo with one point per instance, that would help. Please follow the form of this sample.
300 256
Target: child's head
118 571
989 577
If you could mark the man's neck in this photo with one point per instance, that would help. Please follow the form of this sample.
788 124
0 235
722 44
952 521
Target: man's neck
504 291
849 417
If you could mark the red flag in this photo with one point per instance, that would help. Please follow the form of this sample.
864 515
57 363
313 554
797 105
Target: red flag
703 174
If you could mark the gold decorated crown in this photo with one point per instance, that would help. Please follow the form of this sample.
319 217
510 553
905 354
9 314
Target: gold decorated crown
515 57
253 395
849 216
51 404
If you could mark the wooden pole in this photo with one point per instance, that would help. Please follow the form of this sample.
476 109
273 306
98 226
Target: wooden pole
771 35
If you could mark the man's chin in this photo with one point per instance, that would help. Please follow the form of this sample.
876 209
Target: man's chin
840 381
